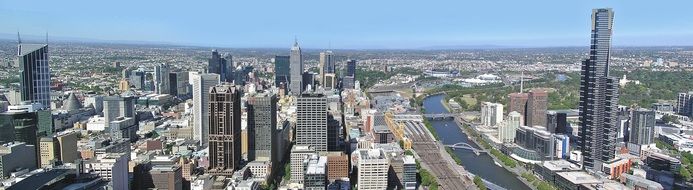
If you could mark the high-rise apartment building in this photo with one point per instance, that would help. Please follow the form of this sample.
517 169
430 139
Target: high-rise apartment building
642 124
684 104
311 121
201 84
491 113
598 96
224 129
536 108
262 122
282 72
35 76
296 64
506 130
112 167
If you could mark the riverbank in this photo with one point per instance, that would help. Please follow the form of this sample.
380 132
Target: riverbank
481 165
517 171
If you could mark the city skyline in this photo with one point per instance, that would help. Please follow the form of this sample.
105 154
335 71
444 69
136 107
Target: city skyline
373 25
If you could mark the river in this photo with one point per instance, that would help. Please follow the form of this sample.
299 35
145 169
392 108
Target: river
482 165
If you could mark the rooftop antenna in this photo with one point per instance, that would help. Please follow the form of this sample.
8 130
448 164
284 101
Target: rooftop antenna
19 39
522 80
46 37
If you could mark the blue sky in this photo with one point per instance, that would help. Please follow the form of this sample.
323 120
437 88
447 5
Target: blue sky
351 23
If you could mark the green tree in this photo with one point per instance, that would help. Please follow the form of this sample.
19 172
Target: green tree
479 183
685 174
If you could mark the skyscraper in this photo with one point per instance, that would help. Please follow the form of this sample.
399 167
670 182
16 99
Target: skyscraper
598 96
223 66
282 73
35 82
506 130
351 68
536 108
518 103
491 113
684 104
224 129
642 124
311 121
349 80
262 121
161 78
326 65
137 79
296 64
173 84
201 85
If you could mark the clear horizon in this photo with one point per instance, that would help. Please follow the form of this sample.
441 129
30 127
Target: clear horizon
351 25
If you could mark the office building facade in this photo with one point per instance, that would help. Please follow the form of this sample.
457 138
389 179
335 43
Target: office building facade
536 108
224 129
311 121
201 84
262 122
35 77
282 71
296 64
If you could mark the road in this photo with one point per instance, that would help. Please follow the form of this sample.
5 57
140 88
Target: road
450 175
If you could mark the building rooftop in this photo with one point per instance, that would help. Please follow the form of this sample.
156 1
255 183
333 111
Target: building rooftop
316 165
559 165
25 49
38 180
579 177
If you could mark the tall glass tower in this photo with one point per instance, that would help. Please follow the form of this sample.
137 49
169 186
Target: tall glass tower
35 73
598 96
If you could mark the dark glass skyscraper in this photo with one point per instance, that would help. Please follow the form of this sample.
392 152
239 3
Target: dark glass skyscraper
224 129
282 73
351 68
222 66
598 96
35 74
262 121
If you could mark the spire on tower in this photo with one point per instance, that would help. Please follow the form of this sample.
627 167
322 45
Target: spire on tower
19 39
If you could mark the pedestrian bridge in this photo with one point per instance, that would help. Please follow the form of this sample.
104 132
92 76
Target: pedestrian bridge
440 116
462 145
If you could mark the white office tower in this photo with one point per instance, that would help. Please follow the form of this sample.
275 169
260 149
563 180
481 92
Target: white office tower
201 85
